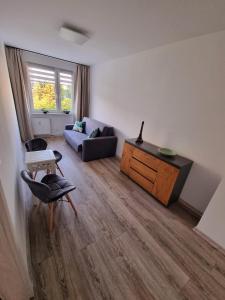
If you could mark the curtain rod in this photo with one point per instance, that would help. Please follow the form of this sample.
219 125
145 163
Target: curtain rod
73 62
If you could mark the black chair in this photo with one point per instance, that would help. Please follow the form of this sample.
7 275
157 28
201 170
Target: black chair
51 189
40 144
36 145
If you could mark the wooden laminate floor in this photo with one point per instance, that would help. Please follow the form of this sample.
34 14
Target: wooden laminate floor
123 246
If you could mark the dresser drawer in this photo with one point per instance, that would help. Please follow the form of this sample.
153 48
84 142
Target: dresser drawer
165 181
143 170
126 157
142 181
146 159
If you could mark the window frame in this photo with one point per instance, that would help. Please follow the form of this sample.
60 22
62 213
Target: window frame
57 71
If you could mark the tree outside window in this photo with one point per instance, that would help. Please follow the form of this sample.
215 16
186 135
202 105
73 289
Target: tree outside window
51 89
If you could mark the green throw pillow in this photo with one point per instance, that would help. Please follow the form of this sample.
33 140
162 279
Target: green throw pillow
95 133
79 126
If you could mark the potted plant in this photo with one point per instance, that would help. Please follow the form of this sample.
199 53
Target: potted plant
66 111
44 110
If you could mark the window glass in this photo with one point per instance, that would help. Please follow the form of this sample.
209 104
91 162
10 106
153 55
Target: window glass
43 88
51 89
65 80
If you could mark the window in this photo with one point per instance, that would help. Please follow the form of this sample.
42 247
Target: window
51 89
65 81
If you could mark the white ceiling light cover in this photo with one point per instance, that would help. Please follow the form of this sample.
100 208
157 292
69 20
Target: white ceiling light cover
73 36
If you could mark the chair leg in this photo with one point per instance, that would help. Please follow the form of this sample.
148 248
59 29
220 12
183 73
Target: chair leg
71 203
57 166
50 216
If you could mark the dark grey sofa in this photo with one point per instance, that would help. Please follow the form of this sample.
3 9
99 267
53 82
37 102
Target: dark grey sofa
92 148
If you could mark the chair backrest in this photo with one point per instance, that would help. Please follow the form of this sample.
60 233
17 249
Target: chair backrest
40 190
36 144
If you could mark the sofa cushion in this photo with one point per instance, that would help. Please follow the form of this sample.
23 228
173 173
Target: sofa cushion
79 126
107 131
75 139
92 124
95 133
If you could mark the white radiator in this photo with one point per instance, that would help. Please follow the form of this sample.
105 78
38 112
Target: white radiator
41 126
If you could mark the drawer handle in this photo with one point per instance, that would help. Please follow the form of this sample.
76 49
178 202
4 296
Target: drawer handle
144 164
142 175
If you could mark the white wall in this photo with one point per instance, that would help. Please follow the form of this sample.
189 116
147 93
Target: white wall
57 120
212 222
13 193
179 91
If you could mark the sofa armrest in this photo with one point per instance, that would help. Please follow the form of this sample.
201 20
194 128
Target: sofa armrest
100 147
69 126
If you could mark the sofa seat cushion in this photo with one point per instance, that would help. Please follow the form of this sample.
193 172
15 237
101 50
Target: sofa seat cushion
75 139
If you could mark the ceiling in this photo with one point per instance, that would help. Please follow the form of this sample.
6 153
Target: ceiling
116 27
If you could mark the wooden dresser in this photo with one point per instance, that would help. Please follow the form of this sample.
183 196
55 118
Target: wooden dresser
161 176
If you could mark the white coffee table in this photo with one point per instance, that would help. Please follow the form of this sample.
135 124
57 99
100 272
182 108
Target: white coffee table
40 160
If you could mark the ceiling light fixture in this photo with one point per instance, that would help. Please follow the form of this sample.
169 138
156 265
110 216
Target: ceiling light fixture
73 35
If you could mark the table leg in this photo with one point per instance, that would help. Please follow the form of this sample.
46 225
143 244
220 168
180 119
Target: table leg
35 174
53 168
